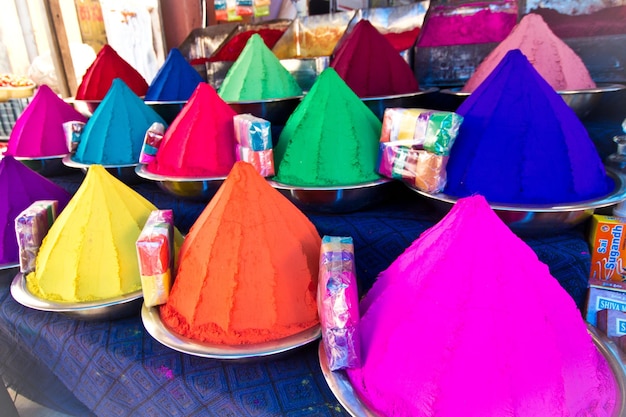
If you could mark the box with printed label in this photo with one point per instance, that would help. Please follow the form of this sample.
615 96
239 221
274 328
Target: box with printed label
608 255
603 299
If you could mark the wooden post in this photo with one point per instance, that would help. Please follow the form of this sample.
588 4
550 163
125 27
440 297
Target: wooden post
60 49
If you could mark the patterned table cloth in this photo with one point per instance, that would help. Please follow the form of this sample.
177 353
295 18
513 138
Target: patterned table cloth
115 368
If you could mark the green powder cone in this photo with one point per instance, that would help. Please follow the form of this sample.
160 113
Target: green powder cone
258 75
331 139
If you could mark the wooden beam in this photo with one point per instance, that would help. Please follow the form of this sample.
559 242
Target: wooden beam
60 49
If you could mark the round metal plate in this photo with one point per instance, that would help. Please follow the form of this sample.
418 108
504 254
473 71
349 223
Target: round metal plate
109 309
157 329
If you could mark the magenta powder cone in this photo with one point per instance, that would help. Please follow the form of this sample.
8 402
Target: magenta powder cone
38 132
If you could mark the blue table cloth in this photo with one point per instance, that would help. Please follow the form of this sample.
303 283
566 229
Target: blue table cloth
115 368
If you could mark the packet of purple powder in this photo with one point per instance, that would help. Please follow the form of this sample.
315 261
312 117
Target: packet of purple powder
338 303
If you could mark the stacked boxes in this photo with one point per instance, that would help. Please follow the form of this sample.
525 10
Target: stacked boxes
606 302
254 143
415 144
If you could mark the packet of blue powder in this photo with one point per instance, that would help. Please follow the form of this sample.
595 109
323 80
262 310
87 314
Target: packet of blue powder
338 303
31 226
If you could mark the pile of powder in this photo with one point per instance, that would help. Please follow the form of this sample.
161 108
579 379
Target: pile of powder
19 188
108 66
447 25
89 252
520 143
38 132
605 22
557 63
115 132
330 139
248 267
233 47
196 145
371 66
451 330
176 80
258 75
401 41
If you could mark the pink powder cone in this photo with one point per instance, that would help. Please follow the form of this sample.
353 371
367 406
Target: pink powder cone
468 322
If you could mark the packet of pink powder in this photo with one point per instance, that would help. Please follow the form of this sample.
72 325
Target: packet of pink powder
151 143
338 303
155 254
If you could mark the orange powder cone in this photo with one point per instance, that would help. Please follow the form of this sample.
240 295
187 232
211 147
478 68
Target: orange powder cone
248 267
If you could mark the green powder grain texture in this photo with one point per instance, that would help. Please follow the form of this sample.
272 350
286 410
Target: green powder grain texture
331 139
258 75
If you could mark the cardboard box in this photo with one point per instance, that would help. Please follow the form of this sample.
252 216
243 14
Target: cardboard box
607 239
603 299
612 322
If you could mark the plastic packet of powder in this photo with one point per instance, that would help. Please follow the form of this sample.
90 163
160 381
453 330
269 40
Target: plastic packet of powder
73 130
31 226
262 161
253 132
422 169
338 303
433 130
155 253
151 143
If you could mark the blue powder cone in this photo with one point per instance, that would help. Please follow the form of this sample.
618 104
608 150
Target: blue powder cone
176 80
115 132
520 143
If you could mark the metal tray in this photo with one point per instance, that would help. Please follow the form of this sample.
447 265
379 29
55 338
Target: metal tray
193 188
8 272
341 386
48 166
157 329
125 173
108 309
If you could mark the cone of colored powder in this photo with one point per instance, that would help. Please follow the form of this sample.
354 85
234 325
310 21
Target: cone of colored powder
258 75
201 140
520 143
248 267
557 63
115 132
331 139
108 66
38 132
371 66
447 331
89 252
176 80
19 188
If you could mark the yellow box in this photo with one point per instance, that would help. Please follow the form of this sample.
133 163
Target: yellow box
607 239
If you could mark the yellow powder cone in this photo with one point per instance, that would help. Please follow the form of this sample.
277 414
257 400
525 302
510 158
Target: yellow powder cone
89 252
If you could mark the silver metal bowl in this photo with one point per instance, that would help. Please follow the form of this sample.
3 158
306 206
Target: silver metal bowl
8 272
306 70
48 166
158 330
340 199
202 189
109 309
581 101
541 218
341 386
168 110
124 173
276 111
412 100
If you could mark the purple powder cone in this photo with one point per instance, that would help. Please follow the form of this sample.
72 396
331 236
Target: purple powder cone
520 143
19 188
